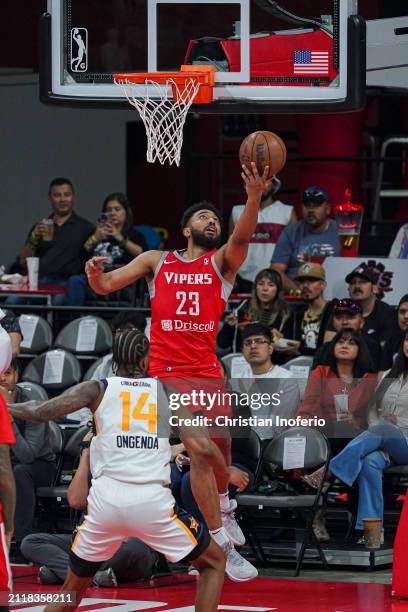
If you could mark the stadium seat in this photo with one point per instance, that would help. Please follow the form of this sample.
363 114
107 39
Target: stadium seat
37 334
247 451
300 368
85 336
295 509
33 391
51 499
55 370
102 365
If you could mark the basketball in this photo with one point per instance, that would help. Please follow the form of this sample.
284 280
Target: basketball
265 149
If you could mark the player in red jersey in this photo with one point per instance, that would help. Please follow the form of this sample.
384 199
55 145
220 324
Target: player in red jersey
7 499
189 291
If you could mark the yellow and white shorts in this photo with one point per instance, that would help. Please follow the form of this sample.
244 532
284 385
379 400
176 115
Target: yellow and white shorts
118 510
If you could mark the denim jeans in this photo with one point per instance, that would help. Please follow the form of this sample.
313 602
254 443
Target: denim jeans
76 290
362 460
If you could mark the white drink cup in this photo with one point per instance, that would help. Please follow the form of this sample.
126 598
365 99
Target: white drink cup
32 269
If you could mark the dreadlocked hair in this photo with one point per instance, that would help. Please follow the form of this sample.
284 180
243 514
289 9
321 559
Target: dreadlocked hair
129 348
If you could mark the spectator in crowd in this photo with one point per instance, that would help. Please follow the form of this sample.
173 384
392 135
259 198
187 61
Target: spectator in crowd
265 306
393 343
315 235
257 349
114 238
384 444
9 322
312 318
129 319
273 217
340 393
133 561
399 249
348 315
379 318
32 458
57 241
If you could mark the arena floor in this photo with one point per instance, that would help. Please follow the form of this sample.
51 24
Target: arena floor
311 592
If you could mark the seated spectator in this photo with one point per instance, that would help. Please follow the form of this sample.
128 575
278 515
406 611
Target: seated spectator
391 346
312 318
10 324
315 235
348 315
257 349
114 238
340 393
399 248
123 320
380 319
384 444
273 217
265 306
133 561
349 375
60 251
32 458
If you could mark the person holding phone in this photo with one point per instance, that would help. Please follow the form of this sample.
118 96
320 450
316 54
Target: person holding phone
114 238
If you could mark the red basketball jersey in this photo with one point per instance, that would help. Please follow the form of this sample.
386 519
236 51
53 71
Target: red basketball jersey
188 298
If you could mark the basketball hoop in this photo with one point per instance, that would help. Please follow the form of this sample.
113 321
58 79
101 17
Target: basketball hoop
163 100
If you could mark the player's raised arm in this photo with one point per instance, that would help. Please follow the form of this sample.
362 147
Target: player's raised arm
84 395
233 254
102 282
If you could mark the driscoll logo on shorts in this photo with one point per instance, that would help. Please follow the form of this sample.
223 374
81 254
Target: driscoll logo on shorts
177 325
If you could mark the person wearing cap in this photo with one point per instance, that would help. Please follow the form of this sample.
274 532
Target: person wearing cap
380 319
315 235
312 319
273 217
391 346
348 315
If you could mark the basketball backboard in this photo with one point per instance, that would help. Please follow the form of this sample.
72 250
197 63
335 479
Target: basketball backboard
269 57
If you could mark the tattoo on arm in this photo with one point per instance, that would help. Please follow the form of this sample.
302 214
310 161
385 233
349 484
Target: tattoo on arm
81 396
7 488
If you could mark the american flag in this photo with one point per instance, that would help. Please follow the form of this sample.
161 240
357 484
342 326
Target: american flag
311 62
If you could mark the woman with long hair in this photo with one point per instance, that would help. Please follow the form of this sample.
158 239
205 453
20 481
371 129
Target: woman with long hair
114 238
385 442
340 391
265 306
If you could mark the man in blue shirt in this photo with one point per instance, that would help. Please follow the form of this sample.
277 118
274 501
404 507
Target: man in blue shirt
315 235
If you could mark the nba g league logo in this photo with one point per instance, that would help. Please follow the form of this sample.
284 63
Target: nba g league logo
79 49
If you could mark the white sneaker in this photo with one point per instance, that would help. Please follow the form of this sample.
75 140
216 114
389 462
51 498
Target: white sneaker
229 522
192 571
237 568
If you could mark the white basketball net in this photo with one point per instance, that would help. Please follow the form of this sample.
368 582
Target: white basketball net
163 117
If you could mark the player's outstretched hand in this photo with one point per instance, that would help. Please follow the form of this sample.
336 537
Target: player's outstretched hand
238 478
255 184
94 266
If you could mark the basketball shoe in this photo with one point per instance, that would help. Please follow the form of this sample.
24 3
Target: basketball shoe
229 522
237 568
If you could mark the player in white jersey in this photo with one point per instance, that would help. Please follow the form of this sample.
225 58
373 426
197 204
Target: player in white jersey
130 494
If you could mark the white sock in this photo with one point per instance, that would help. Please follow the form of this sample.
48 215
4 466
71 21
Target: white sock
220 536
224 501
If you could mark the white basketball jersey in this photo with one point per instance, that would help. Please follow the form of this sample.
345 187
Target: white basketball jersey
132 443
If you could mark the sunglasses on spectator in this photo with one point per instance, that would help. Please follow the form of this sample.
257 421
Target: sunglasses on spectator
255 341
339 306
